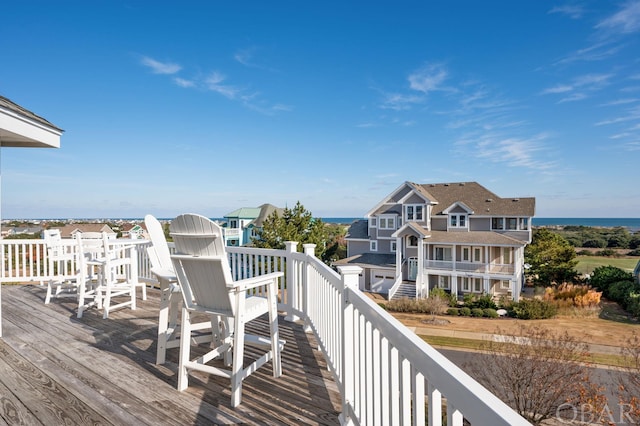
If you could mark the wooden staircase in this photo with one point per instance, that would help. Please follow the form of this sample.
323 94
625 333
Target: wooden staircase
407 289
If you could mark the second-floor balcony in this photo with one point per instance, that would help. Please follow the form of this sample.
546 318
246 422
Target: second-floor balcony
471 267
378 371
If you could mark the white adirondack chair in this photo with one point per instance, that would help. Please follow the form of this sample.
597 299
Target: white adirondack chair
61 262
118 280
204 275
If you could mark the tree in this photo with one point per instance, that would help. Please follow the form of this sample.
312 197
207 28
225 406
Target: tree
539 373
296 224
551 258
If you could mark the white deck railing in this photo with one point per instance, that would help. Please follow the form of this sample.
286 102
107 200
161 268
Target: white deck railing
386 374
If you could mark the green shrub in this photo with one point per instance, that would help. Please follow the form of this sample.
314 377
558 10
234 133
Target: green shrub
603 276
584 253
490 313
477 312
635 252
454 312
465 312
533 309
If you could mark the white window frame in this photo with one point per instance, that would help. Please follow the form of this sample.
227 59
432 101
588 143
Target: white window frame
474 258
373 222
444 249
506 255
505 285
409 238
523 223
477 281
414 212
464 258
387 222
233 223
466 284
373 245
511 224
444 282
458 218
393 246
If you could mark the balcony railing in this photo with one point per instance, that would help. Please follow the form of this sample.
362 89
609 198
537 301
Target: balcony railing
385 373
491 268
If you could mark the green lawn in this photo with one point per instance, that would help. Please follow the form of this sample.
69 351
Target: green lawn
586 264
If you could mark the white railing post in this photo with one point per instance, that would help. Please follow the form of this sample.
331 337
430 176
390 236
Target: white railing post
349 275
292 280
310 251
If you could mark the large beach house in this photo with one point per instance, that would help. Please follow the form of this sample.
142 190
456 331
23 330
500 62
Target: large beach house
457 236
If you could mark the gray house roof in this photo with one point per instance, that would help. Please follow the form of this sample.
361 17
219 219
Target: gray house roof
358 230
368 259
478 198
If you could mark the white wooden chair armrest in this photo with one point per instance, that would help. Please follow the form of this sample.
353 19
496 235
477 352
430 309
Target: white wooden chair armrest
259 281
164 274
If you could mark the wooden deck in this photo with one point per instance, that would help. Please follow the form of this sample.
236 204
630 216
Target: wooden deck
57 369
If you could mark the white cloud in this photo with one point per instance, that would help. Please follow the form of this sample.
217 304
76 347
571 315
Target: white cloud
159 67
572 11
621 102
584 83
625 21
400 102
213 83
428 78
561 88
184 83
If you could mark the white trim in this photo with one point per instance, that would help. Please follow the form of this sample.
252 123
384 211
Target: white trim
373 245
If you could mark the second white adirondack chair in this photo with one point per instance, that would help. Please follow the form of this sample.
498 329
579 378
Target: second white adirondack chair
61 263
204 275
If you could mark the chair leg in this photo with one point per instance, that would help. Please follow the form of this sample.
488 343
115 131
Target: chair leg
185 349
47 298
238 358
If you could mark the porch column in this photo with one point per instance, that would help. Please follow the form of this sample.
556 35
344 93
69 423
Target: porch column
516 284
454 285
486 284
399 255
421 291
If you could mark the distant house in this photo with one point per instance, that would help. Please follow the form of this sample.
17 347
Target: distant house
242 224
133 230
70 230
22 231
460 237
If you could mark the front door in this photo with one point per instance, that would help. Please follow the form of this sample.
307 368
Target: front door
412 264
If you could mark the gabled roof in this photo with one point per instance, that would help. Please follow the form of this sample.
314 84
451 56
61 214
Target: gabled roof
68 230
478 198
265 211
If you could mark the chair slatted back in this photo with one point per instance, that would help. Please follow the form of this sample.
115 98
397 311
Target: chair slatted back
158 254
202 265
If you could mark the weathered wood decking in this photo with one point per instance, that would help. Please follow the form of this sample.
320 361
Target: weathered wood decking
57 369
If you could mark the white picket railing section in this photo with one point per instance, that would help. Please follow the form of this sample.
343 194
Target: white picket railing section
386 374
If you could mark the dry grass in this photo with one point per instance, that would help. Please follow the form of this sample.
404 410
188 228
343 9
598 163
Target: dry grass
609 328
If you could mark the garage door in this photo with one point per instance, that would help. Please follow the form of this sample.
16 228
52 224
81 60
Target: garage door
382 280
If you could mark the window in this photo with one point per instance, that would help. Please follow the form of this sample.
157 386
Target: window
414 212
373 245
443 282
497 223
466 284
512 223
466 254
412 241
373 222
505 285
524 223
233 223
506 255
443 253
387 222
393 246
477 254
477 285
458 221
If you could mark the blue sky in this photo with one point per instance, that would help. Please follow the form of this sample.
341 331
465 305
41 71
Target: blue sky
204 106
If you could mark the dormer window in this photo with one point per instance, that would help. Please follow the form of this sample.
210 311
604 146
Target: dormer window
387 222
414 212
457 220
